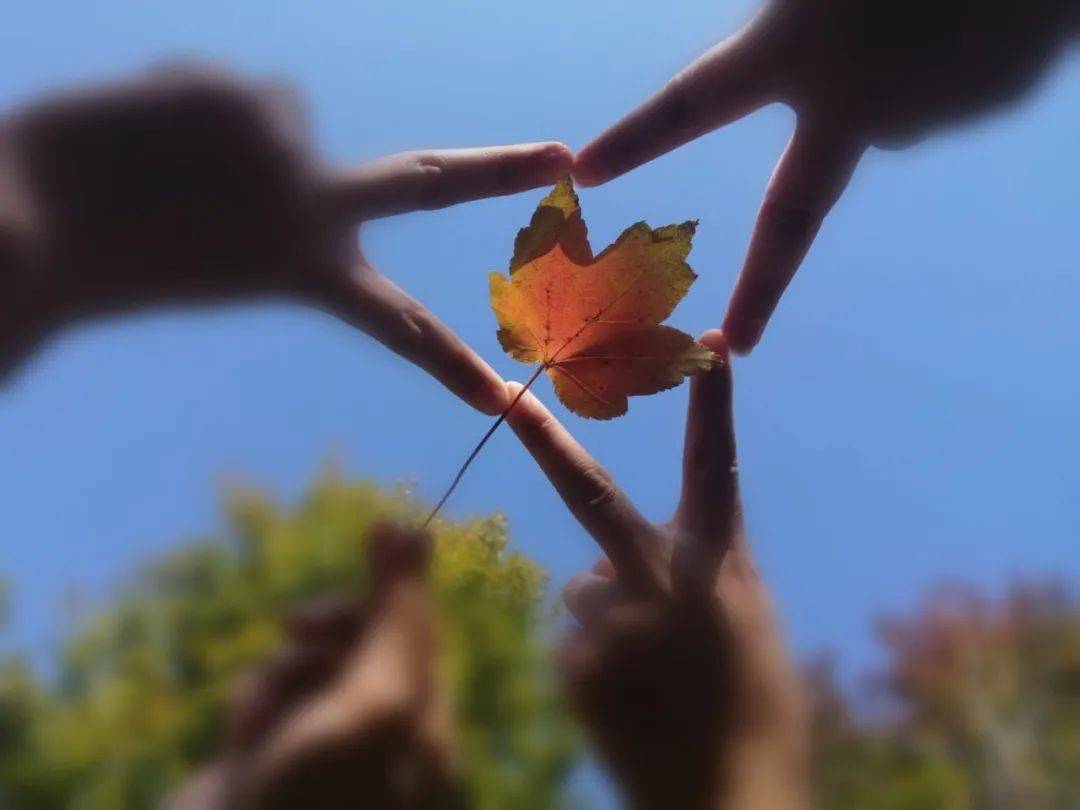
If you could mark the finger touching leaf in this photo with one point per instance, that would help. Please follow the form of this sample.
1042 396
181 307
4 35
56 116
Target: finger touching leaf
594 323
557 220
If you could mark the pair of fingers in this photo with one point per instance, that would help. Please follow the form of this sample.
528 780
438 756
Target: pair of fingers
423 181
641 555
737 77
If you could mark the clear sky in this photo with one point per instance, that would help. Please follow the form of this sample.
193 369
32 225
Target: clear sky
911 415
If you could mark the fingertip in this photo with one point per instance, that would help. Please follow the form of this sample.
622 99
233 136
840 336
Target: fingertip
473 380
588 168
527 410
395 551
604 568
715 340
513 393
742 333
557 156
533 165
720 373
490 395
572 589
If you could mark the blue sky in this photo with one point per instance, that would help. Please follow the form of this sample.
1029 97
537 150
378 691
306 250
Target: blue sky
911 415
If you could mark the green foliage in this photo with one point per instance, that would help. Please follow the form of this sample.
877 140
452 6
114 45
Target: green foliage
143 686
982 696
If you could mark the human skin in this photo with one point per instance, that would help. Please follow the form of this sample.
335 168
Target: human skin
857 74
349 711
188 185
677 668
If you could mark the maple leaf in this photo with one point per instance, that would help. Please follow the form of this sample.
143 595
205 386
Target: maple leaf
593 323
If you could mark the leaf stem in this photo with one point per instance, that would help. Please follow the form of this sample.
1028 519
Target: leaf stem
502 417
476 450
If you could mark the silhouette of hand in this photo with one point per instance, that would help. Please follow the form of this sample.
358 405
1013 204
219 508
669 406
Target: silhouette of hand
189 185
677 668
856 73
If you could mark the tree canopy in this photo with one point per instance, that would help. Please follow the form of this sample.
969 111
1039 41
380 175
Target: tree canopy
142 687
976 706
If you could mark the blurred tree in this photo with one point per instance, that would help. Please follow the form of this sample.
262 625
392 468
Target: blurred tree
863 764
983 709
981 697
996 683
142 688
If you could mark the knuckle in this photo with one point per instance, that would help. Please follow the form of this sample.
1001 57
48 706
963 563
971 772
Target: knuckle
789 221
713 465
414 327
600 490
677 107
430 171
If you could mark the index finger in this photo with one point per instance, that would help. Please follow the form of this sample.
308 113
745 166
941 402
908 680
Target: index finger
423 181
588 491
728 82
370 301
810 177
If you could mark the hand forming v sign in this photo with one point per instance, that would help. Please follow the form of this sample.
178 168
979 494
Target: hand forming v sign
188 185
857 73
678 669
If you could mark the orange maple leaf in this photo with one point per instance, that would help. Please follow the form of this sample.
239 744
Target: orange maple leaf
593 323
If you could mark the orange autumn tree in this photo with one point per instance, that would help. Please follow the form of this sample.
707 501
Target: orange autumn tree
982 699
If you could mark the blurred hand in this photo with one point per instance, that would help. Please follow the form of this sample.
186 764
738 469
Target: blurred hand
348 713
678 668
856 73
188 185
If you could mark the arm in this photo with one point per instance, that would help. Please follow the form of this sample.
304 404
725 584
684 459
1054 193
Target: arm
189 186
857 74
677 668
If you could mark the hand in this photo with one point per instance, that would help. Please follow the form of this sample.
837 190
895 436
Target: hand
349 712
191 186
678 669
856 73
